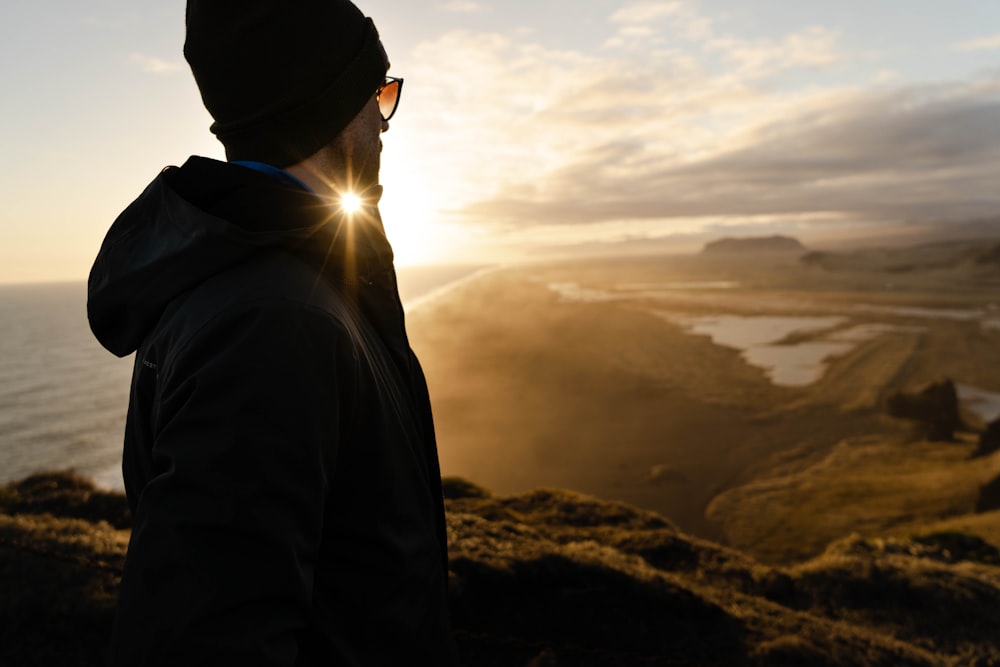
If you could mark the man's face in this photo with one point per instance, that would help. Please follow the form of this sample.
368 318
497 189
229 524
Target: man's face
362 147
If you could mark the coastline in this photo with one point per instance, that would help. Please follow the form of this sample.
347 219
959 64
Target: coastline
414 302
63 398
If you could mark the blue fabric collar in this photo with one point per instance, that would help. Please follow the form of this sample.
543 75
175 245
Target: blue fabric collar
274 172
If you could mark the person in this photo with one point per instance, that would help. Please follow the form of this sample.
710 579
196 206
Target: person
279 454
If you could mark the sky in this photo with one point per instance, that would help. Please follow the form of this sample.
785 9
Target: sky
542 126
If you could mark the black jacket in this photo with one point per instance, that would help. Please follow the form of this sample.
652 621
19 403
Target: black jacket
279 455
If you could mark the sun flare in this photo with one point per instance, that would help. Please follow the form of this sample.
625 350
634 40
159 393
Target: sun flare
350 203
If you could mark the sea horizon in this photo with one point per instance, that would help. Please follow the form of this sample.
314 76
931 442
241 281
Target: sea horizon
63 398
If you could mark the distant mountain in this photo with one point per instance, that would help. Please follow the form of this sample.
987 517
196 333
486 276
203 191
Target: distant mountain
558 578
754 246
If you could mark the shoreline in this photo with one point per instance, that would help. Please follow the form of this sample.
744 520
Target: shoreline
434 293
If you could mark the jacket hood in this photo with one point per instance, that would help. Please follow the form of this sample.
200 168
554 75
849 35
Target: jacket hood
200 219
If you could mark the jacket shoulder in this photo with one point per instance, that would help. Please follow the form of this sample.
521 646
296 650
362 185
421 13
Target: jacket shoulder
274 281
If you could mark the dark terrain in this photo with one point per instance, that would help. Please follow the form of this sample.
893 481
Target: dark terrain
557 578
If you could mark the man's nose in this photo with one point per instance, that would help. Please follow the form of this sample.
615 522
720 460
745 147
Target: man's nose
385 126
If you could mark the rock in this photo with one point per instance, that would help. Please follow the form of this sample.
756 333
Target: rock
989 496
934 408
989 440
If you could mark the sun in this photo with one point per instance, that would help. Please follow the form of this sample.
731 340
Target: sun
350 203
411 204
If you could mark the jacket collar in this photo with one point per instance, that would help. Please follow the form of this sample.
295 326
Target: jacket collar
198 220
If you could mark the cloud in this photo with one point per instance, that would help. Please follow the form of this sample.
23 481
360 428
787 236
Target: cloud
478 112
662 138
674 20
154 65
462 6
812 47
983 44
884 76
646 25
910 154
644 12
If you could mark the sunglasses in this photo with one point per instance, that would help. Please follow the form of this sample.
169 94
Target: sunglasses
388 96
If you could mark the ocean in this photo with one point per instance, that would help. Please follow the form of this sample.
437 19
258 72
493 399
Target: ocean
63 397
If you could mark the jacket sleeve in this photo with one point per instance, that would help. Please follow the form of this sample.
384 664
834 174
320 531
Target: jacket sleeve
228 529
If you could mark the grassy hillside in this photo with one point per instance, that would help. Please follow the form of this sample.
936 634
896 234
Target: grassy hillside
557 578
865 485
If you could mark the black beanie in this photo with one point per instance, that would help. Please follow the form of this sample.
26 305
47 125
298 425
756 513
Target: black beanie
282 78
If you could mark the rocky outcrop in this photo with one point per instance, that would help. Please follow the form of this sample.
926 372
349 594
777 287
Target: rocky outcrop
935 408
989 440
989 496
754 246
